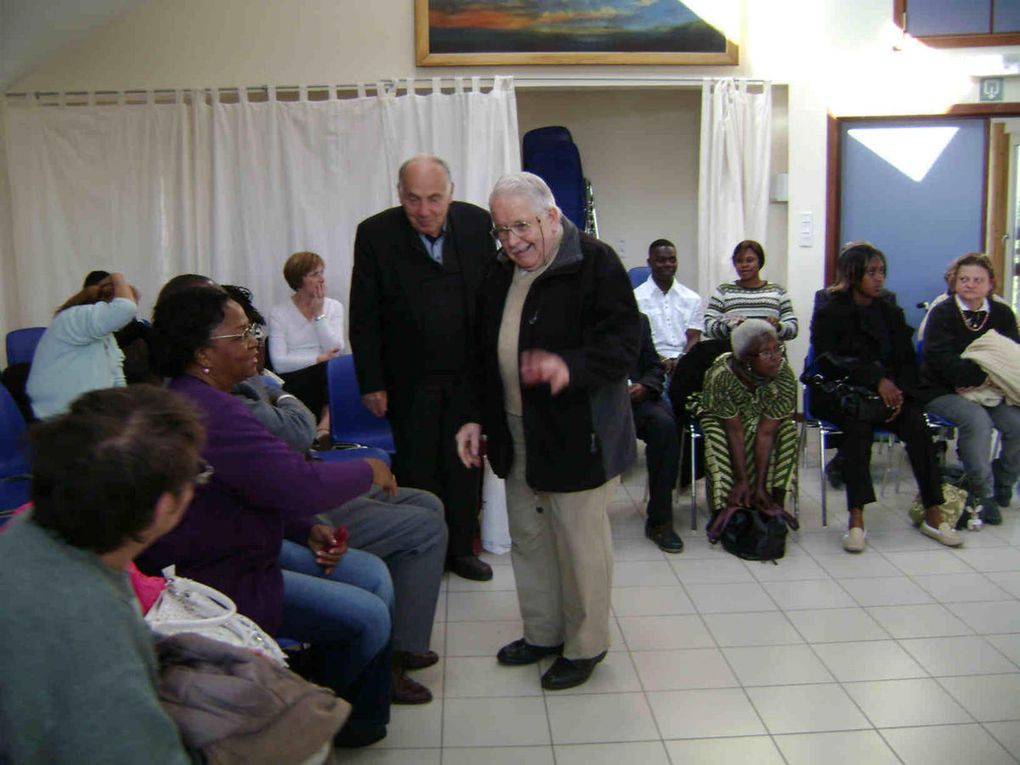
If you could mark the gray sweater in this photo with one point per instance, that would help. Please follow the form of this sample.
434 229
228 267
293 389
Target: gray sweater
77 665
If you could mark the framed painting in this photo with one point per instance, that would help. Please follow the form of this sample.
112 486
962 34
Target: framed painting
522 32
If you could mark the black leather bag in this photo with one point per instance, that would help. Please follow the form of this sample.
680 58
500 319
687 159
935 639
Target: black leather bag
829 374
749 534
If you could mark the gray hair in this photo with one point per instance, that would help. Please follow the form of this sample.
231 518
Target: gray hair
526 185
423 158
748 334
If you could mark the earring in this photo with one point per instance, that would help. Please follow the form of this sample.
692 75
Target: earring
205 370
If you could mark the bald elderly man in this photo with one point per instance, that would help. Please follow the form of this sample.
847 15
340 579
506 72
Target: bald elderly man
417 269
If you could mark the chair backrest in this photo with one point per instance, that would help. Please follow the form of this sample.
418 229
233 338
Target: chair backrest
541 138
21 344
809 359
639 275
350 422
13 461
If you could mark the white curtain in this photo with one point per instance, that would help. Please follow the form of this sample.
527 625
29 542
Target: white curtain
228 190
733 185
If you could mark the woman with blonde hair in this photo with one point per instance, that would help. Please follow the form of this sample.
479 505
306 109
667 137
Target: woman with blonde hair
951 383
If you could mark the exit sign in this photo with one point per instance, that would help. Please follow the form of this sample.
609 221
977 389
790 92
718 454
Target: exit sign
991 88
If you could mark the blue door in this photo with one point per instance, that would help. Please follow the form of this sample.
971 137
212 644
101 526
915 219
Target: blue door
914 189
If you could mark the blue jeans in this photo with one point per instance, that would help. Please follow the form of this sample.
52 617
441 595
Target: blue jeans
346 617
974 423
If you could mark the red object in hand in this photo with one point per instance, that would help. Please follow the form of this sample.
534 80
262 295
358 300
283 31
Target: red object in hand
340 535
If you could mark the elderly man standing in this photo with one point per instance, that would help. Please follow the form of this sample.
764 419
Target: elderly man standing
417 269
674 311
558 333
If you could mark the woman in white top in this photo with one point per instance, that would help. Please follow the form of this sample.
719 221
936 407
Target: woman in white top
305 333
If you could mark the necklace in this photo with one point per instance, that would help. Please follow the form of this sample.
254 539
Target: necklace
969 323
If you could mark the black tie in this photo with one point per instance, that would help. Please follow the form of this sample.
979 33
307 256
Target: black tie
974 318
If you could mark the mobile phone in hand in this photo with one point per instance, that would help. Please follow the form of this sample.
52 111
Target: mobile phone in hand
340 535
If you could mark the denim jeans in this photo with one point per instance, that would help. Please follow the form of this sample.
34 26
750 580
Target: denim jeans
346 618
974 424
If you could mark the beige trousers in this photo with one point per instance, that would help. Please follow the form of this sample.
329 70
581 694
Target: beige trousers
562 553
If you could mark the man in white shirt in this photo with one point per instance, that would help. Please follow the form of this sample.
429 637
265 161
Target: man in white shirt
675 312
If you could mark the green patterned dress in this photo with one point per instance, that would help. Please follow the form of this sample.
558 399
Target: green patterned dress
724 396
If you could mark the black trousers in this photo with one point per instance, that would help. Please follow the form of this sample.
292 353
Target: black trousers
309 385
656 426
424 425
855 449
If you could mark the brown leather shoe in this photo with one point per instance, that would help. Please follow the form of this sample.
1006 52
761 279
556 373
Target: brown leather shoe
412 660
404 690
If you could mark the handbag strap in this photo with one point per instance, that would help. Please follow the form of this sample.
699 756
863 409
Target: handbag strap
180 587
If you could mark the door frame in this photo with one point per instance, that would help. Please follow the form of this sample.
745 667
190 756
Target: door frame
834 151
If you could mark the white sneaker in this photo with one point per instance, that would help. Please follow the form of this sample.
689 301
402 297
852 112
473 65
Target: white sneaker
854 540
944 534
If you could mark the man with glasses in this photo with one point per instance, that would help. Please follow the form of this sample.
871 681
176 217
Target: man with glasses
417 269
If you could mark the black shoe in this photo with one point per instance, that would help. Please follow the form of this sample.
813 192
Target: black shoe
665 537
834 472
990 512
354 735
1003 495
522 652
566 673
470 567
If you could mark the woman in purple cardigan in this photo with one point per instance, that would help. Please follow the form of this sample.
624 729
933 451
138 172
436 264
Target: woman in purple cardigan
250 531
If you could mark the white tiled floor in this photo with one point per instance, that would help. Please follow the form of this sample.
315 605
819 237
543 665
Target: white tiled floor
909 652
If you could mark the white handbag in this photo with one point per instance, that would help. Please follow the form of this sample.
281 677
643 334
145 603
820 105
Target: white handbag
189 606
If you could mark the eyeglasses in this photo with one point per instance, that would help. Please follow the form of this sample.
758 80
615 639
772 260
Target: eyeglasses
251 331
204 474
778 353
520 228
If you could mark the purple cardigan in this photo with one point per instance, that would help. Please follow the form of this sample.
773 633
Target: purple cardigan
261 491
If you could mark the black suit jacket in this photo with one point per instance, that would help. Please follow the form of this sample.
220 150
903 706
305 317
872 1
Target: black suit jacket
648 370
388 307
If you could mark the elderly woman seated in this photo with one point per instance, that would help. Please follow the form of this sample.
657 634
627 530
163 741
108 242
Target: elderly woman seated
958 388
745 411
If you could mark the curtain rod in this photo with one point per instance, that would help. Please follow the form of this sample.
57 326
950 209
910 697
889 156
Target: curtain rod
399 82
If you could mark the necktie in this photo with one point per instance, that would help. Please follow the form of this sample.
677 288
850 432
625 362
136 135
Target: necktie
974 318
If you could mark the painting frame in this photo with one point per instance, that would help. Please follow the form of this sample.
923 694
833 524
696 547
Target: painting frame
425 57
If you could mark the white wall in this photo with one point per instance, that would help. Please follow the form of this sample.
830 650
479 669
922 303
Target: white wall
833 55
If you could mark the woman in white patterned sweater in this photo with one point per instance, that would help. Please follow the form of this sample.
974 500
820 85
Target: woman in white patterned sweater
749 297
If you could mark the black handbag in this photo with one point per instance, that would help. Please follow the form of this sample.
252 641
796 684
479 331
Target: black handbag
749 534
830 374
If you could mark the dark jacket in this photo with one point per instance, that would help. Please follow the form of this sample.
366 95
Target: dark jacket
581 308
389 308
946 337
648 370
839 327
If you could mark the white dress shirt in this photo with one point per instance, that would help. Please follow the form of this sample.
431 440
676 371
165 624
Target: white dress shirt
670 314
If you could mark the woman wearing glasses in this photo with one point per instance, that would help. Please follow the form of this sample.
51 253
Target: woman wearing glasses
305 332
746 414
871 338
250 531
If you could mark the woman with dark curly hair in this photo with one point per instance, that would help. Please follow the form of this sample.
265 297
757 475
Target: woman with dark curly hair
250 532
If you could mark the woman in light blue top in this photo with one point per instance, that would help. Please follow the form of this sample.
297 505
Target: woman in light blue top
78 351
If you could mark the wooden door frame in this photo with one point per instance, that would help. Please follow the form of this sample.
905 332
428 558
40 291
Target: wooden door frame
834 152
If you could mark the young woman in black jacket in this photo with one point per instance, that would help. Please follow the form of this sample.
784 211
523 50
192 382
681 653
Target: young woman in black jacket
873 337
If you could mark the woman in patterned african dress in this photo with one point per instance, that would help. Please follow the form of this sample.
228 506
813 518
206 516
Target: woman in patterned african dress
746 414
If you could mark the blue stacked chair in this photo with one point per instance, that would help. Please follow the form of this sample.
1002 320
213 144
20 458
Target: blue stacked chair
351 424
551 154
15 481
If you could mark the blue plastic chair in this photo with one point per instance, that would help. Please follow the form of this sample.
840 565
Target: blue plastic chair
15 481
21 344
342 454
639 275
350 422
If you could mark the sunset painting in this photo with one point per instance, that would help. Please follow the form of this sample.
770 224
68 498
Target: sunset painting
566 31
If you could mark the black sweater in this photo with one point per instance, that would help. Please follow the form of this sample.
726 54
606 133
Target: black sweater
946 336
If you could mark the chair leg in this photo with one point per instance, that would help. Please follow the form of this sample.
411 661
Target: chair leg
692 436
821 475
